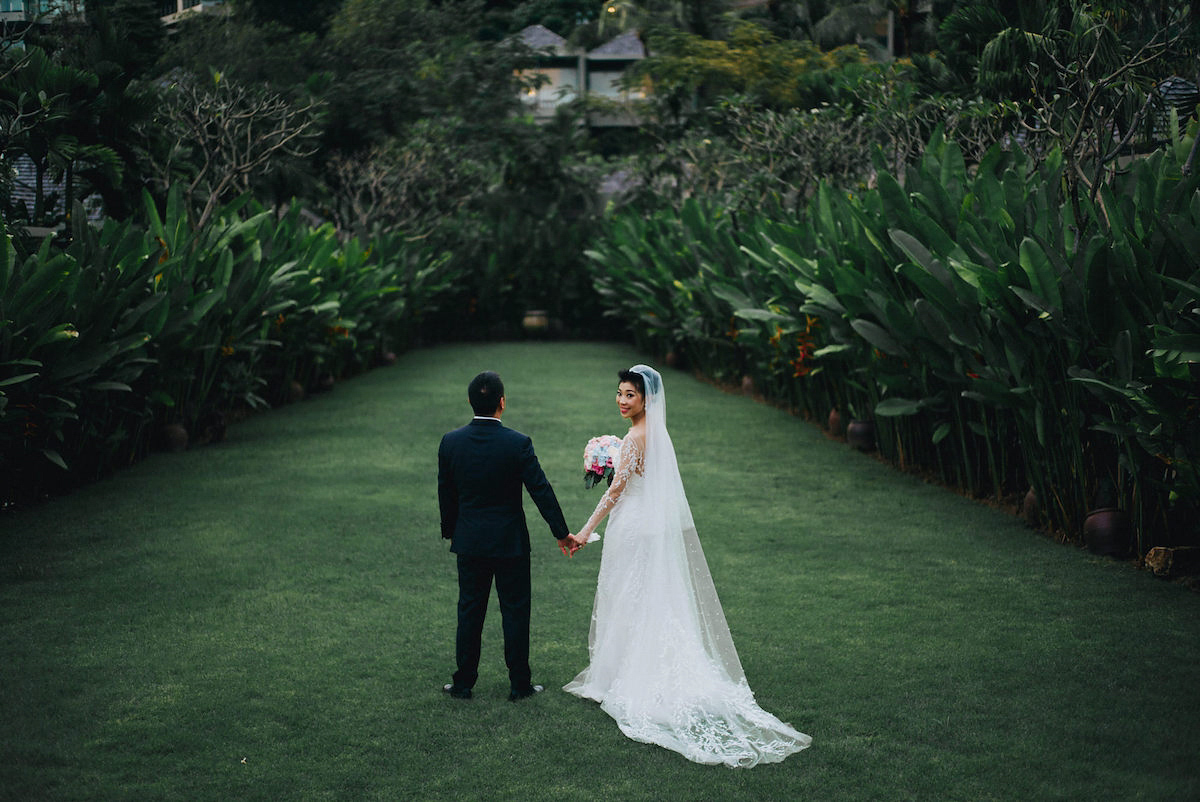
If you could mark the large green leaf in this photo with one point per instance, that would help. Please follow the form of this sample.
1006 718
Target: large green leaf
60 333
1043 279
23 377
877 336
898 407
45 276
8 263
763 315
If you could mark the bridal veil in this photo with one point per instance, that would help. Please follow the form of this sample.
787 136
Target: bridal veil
663 663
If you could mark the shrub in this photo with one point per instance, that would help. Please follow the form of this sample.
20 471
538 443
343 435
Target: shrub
125 328
997 339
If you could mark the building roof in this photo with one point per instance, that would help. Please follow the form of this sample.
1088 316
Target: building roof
1179 92
627 45
540 37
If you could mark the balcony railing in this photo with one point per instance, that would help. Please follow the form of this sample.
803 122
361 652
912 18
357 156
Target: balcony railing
29 9
173 10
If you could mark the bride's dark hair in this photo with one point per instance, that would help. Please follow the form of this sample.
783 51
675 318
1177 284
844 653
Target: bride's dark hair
633 378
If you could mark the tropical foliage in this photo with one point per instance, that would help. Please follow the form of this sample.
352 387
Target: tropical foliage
128 328
751 61
996 339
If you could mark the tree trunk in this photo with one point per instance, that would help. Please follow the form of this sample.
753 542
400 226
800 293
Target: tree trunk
68 188
39 200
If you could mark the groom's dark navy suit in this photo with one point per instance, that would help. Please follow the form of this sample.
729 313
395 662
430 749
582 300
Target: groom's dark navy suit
481 470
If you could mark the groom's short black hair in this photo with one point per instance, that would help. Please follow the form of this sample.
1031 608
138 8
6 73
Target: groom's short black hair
484 392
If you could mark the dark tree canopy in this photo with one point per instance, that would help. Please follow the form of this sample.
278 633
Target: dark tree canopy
311 16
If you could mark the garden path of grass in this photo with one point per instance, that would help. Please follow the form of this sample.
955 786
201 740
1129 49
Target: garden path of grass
272 618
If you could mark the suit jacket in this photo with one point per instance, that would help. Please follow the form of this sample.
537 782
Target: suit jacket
481 469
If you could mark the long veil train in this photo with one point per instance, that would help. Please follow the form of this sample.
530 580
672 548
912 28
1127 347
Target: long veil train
662 660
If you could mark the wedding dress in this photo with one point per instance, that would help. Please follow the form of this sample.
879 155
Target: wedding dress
662 660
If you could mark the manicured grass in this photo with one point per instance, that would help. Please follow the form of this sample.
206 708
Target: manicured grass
273 617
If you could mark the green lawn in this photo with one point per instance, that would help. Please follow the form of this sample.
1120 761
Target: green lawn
273 618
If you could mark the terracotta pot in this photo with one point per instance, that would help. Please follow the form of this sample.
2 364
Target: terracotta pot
1029 508
835 422
536 321
1108 532
861 435
748 385
672 359
295 391
174 437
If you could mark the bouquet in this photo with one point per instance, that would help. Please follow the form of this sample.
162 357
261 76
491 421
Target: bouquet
598 459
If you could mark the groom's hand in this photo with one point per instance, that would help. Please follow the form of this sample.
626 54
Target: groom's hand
576 543
563 545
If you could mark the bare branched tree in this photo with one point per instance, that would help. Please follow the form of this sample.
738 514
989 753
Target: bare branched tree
15 114
229 134
1099 105
381 188
794 150
406 185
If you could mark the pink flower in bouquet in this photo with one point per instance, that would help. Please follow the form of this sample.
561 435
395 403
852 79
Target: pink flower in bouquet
598 459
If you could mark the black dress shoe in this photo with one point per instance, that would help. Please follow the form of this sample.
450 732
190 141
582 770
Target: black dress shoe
530 691
457 692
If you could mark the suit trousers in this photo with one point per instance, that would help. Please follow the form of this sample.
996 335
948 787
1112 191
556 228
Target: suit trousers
475 575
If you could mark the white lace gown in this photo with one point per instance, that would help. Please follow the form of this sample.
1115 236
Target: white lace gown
662 662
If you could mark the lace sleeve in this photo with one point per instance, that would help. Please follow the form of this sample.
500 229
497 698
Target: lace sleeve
632 461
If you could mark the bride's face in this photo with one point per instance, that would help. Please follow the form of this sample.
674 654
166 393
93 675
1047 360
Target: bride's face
630 402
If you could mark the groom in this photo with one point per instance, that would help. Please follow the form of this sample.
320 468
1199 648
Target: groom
481 468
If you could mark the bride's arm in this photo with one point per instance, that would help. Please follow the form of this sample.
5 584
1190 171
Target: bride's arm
630 463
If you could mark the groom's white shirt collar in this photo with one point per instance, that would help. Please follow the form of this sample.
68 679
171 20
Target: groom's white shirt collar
486 417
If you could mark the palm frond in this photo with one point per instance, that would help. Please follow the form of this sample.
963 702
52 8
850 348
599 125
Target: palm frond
1095 42
1007 59
969 28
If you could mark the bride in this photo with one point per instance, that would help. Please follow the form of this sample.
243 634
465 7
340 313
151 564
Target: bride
663 663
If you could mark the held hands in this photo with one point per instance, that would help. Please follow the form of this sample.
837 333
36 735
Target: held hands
571 544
